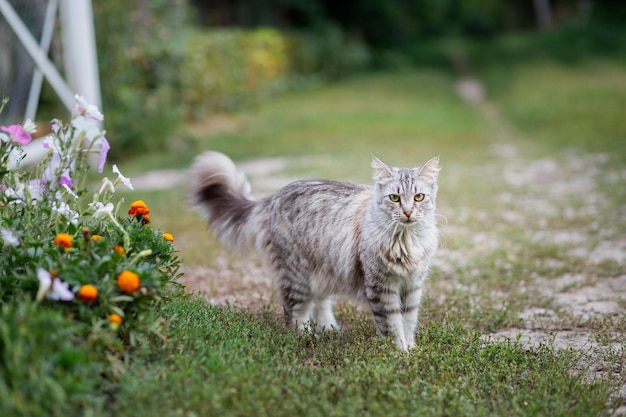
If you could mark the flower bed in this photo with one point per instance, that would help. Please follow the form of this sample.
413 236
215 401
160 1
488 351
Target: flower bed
95 264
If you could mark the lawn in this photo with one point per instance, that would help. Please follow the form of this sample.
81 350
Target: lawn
525 308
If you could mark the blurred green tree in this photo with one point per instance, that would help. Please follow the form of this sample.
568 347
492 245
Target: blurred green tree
138 59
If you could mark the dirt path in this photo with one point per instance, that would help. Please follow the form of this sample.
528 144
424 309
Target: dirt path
572 305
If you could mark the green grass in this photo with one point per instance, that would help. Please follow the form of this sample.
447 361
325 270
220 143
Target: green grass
565 106
416 112
224 362
504 249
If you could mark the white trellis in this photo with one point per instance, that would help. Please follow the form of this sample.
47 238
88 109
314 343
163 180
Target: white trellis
79 53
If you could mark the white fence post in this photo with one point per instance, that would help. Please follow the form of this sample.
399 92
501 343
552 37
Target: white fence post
80 59
41 60
79 49
46 39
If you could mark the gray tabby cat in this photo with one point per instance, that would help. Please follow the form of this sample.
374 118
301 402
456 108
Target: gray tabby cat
325 238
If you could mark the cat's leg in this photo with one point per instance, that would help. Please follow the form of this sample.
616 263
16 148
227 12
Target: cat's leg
386 306
323 315
299 314
410 314
297 301
302 315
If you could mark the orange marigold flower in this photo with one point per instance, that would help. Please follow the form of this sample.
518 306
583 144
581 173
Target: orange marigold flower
118 249
64 240
128 281
115 318
96 238
168 237
138 208
88 293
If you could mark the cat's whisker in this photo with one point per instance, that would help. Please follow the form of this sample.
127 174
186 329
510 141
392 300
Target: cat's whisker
445 240
443 217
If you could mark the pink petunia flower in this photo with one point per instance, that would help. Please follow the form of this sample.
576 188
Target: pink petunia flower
18 133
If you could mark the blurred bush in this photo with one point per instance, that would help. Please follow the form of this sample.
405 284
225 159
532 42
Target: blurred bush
158 70
138 58
226 69
326 52
569 44
46 368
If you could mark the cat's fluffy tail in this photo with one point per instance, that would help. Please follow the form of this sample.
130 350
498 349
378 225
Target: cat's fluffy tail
222 194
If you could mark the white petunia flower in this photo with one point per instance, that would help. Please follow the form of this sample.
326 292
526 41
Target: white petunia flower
103 210
29 126
107 185
21 194
9 237
45 282
17 194
88 110
95 206
69 190
64 210
120 178
35 190
87 119
50 142
91 127
52 288
60 291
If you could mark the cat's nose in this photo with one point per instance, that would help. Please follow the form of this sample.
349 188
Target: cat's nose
408 213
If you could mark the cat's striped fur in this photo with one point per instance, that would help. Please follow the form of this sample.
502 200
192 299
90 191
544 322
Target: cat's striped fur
326 238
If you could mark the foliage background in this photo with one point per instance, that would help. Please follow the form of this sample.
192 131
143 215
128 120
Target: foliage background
166 63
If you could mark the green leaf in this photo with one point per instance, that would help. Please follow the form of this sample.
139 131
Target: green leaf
121 298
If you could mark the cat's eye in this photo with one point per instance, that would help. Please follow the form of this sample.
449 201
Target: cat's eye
394 197
419 197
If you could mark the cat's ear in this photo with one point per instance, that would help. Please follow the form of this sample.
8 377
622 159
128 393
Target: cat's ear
430 170
381 171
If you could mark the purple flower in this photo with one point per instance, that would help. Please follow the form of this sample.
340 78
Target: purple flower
18 133
66 180
102 158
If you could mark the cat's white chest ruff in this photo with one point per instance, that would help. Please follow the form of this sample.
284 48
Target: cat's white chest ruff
409 252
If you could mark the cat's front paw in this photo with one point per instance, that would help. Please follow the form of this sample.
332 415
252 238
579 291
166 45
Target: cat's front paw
406 344
327 327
